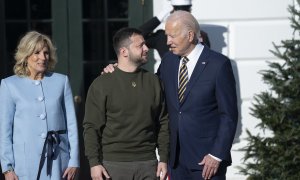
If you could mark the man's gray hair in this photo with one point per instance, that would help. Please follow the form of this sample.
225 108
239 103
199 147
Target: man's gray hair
187 20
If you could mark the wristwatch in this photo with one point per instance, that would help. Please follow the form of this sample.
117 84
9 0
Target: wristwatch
10 169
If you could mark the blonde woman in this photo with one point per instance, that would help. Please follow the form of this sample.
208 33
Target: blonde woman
38 127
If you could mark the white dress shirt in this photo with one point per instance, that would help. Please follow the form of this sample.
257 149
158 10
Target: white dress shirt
193 58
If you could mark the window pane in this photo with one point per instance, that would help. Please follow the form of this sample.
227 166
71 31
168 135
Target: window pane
42 27
113 27
91 71
15 9
117 8
93 42
14 31
92 9
40 9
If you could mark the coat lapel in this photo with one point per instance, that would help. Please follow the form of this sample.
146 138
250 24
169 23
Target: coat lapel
175 76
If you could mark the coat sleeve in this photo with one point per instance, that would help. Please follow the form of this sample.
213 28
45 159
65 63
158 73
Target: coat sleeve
227 109
71 125
149 26
7 111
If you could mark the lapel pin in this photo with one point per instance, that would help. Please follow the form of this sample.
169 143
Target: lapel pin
203 62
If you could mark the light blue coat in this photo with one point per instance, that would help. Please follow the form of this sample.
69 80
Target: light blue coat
28 110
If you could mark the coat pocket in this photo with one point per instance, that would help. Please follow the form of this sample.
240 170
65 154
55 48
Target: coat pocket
19 156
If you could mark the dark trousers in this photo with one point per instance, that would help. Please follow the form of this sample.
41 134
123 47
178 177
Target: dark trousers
138 170
181 171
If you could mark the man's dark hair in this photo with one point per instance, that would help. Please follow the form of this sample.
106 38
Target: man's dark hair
122 38
183 8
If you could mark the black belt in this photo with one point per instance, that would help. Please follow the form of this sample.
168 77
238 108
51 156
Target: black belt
51 142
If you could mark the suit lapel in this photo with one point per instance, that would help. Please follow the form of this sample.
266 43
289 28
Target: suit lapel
200 66
175 76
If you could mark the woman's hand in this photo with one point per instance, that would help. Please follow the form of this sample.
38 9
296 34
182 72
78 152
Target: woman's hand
11 176
70 173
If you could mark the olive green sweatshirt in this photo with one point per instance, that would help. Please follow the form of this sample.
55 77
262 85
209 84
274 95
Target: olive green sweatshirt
125 118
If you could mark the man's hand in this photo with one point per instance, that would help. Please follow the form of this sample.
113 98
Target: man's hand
70 173
161 170
109 68
11 176
210 168
97 172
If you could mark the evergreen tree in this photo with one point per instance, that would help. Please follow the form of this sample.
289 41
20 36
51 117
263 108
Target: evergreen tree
277 157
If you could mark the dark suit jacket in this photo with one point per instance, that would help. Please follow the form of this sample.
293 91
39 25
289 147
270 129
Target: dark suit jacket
158 40
206 120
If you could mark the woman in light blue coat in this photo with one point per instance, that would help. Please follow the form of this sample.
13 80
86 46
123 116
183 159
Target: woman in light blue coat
38 127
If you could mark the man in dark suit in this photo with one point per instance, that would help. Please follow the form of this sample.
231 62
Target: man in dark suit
157 40
202 103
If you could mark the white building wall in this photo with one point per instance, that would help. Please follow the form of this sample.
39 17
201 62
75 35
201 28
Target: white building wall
244 30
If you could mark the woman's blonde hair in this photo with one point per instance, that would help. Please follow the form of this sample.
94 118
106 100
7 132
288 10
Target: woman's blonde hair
30 43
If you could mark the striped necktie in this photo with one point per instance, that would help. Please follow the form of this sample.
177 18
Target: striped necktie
183 78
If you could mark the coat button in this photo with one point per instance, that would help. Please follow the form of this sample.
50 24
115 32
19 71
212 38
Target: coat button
43 116
43 135
37 83
41 98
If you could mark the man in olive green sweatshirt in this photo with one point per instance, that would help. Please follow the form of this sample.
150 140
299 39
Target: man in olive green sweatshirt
125 117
